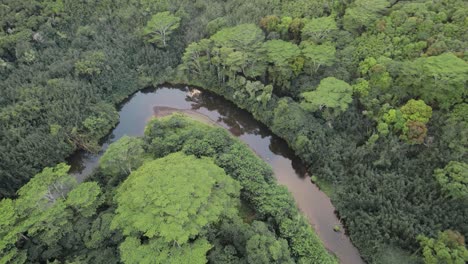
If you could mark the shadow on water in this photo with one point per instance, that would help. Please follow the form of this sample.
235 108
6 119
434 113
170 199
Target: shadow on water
289 170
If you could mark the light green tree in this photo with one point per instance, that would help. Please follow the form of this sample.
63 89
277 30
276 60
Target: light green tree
195 59
318 55
363 13
264 248
448 248
410 120
416 114
285 61
239 50
361 87
317 28
453 179
416 110
160 27
132 251
173 198
331 93
43 210
85 198
440 79
245 37
91 64
122 156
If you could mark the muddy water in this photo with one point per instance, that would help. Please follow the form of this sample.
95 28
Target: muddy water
288 169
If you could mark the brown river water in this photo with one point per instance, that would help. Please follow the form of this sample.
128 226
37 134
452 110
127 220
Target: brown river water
288 168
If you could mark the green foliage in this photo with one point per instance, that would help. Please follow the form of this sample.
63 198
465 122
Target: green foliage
363 13
245 37
453 179
455 131
416 110
91 64
263 248
440 79
317 29
319 55
361 87
448 247
284 60
132 251
165 200
259 189
331 93
410 120
84 198
45 214
305 8
65 64
122 157
160 27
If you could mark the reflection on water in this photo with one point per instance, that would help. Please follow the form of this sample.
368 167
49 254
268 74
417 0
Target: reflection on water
289 170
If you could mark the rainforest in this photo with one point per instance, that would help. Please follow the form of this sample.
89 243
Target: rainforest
230 131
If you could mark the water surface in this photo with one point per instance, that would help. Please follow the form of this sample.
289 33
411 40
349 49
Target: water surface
289 170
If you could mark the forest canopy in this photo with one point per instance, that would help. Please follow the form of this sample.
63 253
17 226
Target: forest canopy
370 94
183 204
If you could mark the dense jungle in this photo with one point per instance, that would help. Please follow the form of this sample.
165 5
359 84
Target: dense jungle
372 95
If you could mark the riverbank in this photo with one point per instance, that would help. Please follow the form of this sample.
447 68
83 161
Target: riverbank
288 168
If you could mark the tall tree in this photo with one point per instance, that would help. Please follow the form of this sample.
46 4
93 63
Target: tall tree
133 251
362 13
438 79
123 156
173 198
285 61
330 94
449 247
317 28
318 55
160 27
264 248
453 179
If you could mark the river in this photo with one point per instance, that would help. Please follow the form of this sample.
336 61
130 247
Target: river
288 169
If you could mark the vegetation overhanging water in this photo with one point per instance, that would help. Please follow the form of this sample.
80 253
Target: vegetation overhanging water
289 170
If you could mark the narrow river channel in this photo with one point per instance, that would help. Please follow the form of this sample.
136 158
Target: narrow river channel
144 105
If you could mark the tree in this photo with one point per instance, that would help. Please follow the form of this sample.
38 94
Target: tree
415 132
42 214
132 251
410 120
416 110
238 49
331 93
160 27
195 59
270 23
417 114
254 91
448 247
173 198
455 132
285 61
319 55
440 79
453 179
122 156
264 248
91 64
85 198
244 37
317 28
363 13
